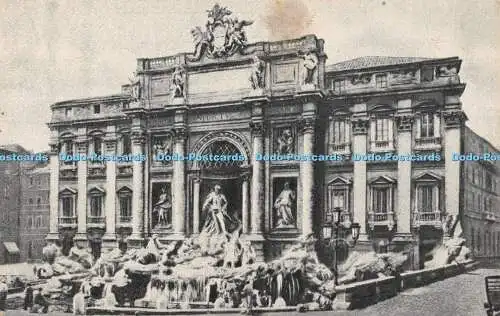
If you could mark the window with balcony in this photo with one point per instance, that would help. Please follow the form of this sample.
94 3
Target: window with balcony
67 213
381 81
339 135
68 149
338 196
427 125
381 202
382 137
428 130
124 205
427 200
96 146
96 202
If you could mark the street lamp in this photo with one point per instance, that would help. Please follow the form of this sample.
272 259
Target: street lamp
331 232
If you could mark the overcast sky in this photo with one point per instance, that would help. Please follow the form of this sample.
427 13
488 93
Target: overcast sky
56 50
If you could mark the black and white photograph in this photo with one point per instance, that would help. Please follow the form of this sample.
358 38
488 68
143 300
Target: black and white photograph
274 157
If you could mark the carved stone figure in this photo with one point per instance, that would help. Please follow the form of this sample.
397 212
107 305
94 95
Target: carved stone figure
447 225
178 83
163 209
216 217
310 65
284 207
223 35
285 142
257 76
135 88
450 72
163 146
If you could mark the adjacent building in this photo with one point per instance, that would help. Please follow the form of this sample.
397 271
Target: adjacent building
373 136
34 212
10 204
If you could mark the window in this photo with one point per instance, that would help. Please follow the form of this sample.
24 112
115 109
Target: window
381 81
97 146
30 249
126 144
67 206
67 112
38 181
488 182
426 199
473 239
381 199
29 225
96 205
427 125
30 201
38 202
125 206
38 222
339 135
338 86
97 109
382 130
31 180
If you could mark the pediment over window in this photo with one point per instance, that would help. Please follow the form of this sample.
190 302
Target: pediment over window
124 189
67 135
426 105
382 180
97 190
68 191
339 181
428 176
340 112
380 109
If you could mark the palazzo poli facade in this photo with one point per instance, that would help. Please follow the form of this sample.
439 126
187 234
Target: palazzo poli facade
231 97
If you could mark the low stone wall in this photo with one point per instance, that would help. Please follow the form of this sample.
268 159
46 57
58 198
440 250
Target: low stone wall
365 293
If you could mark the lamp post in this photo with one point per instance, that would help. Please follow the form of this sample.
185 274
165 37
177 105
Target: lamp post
331 232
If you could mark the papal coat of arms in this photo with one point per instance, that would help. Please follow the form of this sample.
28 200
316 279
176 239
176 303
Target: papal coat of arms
223 35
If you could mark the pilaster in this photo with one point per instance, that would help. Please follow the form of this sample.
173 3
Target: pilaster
404 122
81 204
179 177
54 190
196 204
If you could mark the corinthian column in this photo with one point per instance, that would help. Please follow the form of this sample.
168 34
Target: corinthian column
138 141
244 202
110 201
257 196
359 131
54 191
196 205
178 183
307 176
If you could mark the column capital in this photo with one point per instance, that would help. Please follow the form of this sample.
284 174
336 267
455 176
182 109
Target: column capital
245 176
257 128
307 124
138 137
454 118
404 122
54 148
180 133
360 126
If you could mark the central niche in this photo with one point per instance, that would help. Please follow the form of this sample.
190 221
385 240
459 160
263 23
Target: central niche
228 151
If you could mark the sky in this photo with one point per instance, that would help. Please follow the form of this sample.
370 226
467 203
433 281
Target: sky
52 51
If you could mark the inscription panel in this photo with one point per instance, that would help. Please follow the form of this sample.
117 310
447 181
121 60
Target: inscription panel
219 81
285 73
155 122
221 116
160 86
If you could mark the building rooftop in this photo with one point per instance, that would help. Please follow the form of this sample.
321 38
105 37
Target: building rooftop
15 148
374 61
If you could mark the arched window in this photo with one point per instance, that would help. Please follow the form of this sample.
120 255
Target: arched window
224 149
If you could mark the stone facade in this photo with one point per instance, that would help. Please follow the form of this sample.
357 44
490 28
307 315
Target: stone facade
10 191
34 213
235 98
480 197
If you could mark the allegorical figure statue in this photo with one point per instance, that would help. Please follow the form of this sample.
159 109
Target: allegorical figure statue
285 142
216 218
178 83
310 65
257 76
163 209
284 207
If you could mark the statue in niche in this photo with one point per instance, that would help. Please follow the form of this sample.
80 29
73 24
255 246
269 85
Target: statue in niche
178 82
285 142
163 146
217 218
257 76
163 210
284 207
310 65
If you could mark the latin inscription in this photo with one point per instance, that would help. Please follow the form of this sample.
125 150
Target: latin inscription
223 116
